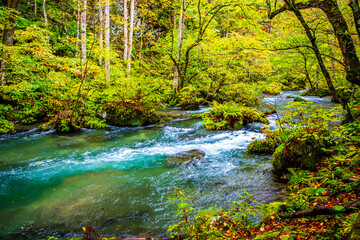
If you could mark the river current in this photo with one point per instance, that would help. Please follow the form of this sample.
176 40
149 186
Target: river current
116 180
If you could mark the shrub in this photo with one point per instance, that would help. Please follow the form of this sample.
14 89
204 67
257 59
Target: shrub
231 117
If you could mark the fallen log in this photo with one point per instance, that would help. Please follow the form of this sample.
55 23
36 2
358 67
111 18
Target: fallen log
322 210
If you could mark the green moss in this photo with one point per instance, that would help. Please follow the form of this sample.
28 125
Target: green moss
301 150
299 99
268 145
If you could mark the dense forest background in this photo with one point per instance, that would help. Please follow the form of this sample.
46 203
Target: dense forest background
77 64
89 64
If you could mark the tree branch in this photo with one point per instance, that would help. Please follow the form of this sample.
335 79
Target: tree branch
321 210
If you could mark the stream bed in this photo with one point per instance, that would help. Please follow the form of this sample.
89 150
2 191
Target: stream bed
117 180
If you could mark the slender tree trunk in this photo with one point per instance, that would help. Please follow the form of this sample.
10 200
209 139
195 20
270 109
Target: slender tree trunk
317 77
354 4
83 40
77 29
101 25
8 35
178 80
228 26
324 71
174 69
307 73
45 14
9 28
141 40
107 43
131 35
35 7
335 17
126 33
340 27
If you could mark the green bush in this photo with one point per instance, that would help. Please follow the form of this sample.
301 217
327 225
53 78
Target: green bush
231 117
6 126
267 146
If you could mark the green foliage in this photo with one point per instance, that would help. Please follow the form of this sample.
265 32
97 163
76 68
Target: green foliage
307 137
273 139
231 116
212 223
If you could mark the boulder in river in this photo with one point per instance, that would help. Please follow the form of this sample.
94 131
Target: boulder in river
299 154
185 158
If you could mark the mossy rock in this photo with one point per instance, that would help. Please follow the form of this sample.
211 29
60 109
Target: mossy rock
133 120
355 231
185 158
320 92
302 154
299 99
190 105
261 146
267 146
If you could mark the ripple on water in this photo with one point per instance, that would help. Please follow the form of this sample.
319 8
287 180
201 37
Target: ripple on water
116 179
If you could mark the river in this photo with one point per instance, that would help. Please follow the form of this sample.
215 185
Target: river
116 179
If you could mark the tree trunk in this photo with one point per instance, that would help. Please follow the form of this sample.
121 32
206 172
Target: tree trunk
354 4
45 14
107 43
8 35
178 79
131 35
83 40
336 19
126 34
352 63
35 7
324 71
77 29
317 77
101 24
9 27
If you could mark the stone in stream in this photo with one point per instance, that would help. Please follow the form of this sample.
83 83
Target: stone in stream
185 158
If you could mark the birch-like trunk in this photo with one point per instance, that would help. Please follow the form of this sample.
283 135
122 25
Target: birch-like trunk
83 40
126 34
101 25
77 29
107 43
178 82
131 35
45 14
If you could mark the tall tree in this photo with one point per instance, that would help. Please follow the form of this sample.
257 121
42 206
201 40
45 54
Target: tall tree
101 29
340 27
35 7
289 5
178 84
183 55
126 32
83 40
354 4
45 14
107 43
8 33
78 28
131 36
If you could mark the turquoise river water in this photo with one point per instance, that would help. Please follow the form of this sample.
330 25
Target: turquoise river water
116 181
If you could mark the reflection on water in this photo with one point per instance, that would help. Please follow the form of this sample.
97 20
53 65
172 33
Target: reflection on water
116 180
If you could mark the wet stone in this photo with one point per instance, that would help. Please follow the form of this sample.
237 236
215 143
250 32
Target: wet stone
185 158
